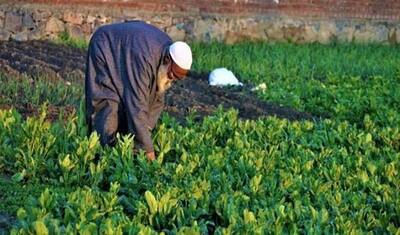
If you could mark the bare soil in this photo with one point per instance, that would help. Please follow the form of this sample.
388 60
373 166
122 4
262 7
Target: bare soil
54 61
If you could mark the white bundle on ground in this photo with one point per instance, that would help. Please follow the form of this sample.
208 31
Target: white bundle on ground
223 77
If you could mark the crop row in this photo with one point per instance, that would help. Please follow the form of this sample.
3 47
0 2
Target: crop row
222 175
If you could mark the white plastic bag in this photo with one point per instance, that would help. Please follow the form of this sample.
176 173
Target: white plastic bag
223 77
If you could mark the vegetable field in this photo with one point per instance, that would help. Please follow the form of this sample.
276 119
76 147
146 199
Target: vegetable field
337 173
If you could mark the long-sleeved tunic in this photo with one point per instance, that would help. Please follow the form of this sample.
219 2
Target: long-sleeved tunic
120 82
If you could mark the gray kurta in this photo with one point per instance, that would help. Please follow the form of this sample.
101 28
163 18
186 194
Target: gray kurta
120 84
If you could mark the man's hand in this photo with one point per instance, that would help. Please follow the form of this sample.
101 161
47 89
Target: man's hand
151 156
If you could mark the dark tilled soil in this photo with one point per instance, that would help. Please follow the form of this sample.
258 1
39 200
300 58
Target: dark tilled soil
42 58
194 94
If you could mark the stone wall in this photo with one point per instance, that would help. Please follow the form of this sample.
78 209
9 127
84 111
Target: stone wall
229 21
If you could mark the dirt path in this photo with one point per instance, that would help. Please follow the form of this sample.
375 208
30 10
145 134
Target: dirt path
41 58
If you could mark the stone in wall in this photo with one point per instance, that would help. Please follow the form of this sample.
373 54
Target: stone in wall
201 30
54 26
381 33
4 35
188 26
161 21
89 24
366 33
27 22
130 13
87 29
218 30
311 32
327 32
256 30
2 15
118 20
344 31
208 29
90 19
232 34
13 22
176 32
40 15
75 31
397 34
21 36
293 30
392 35
233 37
36 34
245 29
73 18
102 19
273 31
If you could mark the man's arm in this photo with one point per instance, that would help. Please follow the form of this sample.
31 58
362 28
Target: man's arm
155 111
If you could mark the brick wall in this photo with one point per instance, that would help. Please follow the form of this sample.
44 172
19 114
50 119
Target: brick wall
354 9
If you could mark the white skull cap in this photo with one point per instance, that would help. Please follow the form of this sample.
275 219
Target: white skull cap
181 54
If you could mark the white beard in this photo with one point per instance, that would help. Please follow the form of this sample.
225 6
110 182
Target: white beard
163 82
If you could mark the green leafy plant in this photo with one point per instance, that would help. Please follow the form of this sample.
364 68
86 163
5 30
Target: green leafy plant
223 175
